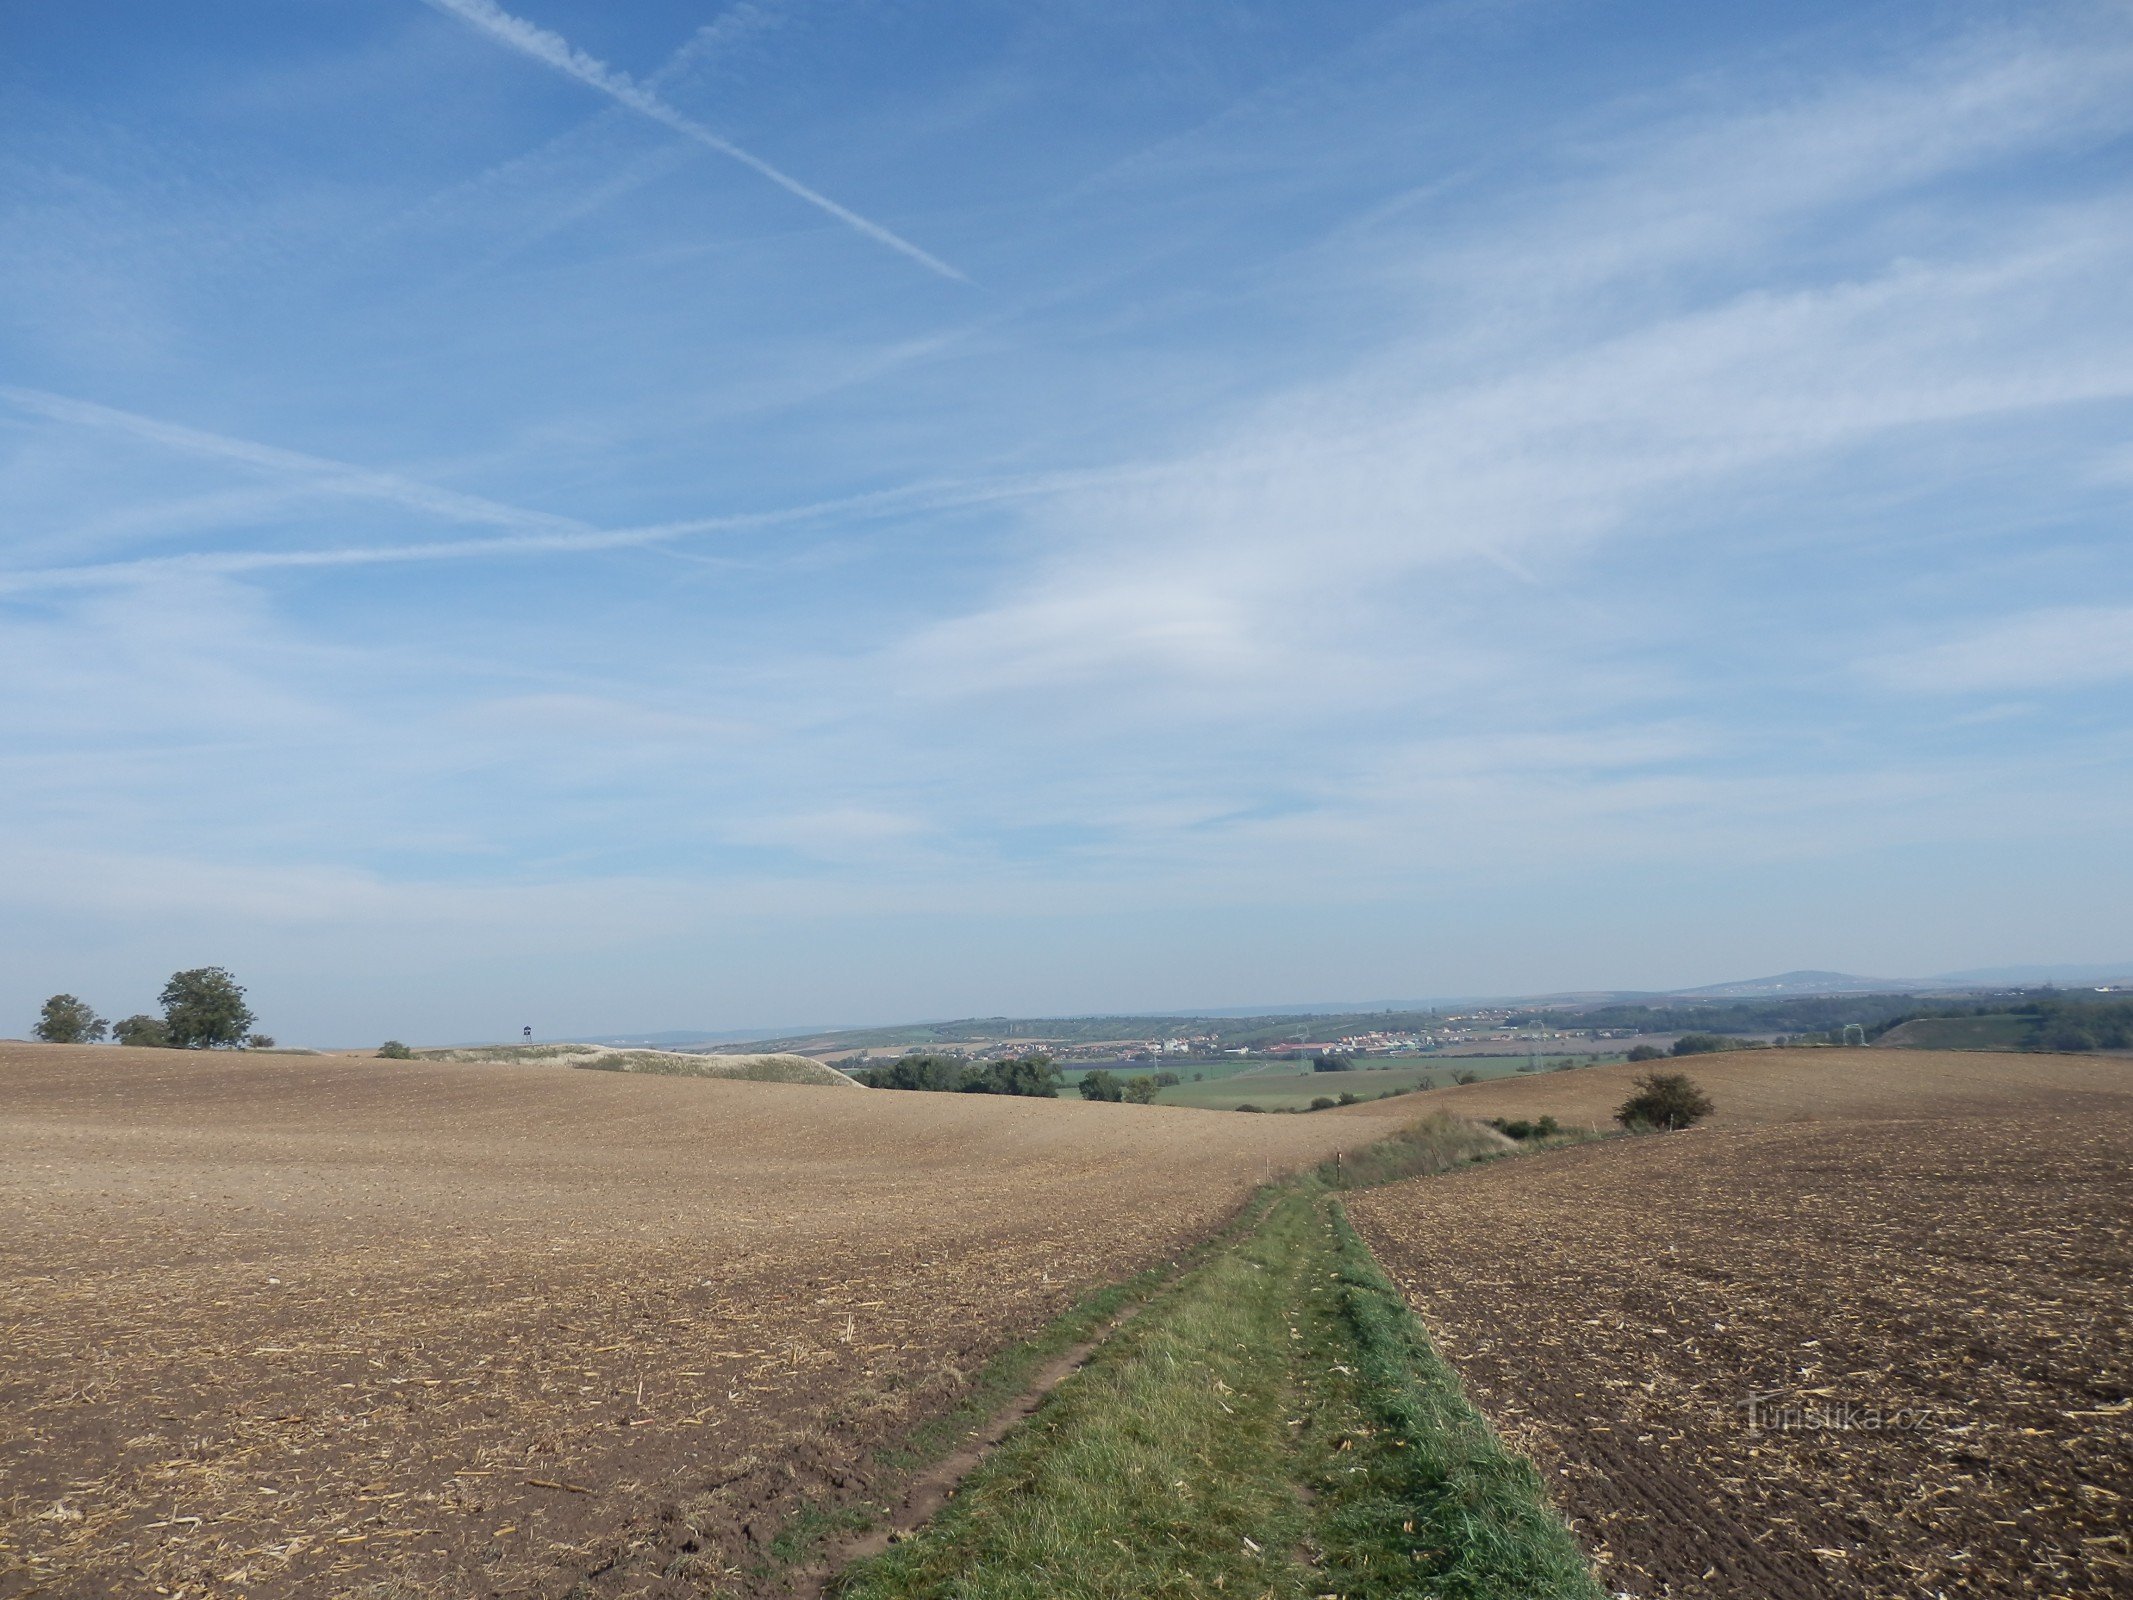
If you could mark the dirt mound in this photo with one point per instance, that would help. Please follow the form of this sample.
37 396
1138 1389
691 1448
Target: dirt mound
776 1067
1861 1335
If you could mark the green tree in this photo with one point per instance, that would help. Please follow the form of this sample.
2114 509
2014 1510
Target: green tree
1664 1100
204 1009
1102 1085
141 1029
1141 1090
66 1020
1644 1052
394 1050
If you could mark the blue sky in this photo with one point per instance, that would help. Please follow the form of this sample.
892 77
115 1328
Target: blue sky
685 514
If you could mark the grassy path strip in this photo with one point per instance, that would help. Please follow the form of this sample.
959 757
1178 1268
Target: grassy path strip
1276 1425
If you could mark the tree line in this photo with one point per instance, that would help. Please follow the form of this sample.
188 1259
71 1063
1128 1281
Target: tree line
1034 1075
203 1009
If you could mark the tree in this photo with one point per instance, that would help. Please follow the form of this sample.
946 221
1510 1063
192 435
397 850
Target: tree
1645 1052
394 1050
1141 1090
204 1009
1102 1085
1331 1063
259 1041
66 1020
1664 1100
141 1029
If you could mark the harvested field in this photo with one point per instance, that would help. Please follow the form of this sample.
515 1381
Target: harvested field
772 1068
1919 1280
334 1326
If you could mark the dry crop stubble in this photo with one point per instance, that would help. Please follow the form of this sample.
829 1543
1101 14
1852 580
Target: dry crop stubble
291 1326
1924 1304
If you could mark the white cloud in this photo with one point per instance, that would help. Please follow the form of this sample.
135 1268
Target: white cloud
2062 647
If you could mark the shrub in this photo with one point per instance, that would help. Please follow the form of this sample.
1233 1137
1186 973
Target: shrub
1248 1106
141 1029
1102 1085
394 1050
1331 1064
1142 1090
1424 1082
1348 1098
259 1041
1645 1052
1324 1102
1465 1076
66 1020
1664 1100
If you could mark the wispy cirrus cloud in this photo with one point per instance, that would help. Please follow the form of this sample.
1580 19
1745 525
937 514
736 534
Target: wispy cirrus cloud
553 50
2056 647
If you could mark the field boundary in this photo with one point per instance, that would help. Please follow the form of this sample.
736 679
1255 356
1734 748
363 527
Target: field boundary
1437 1491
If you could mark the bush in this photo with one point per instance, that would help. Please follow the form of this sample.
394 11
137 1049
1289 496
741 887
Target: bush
1331 1064
66 1020
1141 1091
1102 1085
1348 1098
1324 1102
394 1050
1645 1052
1519 1128
1248 1106
1464 1076
141 1029
1702 1044
259 1041
1425 1082
1666 1100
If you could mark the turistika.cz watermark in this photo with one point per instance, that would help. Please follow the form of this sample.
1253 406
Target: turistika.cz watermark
1786 1411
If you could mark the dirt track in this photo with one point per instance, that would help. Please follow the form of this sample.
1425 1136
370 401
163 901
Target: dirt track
276 1326
1920 1277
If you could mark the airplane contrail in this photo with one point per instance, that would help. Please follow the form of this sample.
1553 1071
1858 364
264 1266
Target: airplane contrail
553 50
319 472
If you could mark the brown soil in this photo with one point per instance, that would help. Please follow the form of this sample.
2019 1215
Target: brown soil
319 1326
1920 1278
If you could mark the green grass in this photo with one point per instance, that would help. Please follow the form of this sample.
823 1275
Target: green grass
1274 1425
1279 1086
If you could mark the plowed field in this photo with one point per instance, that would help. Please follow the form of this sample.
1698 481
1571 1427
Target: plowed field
278 1326
1866 1333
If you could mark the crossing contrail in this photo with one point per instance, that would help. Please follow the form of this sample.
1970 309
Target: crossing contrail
553 50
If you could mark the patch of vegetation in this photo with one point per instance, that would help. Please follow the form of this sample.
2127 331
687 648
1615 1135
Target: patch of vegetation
1522 1130
67 1020
1664 1101
394 1050
1021 1075
140 1030
1703 1044
204 1009
1644 1052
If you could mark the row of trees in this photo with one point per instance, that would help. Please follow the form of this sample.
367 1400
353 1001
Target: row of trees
1034 1076
1024 1075
203 1009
